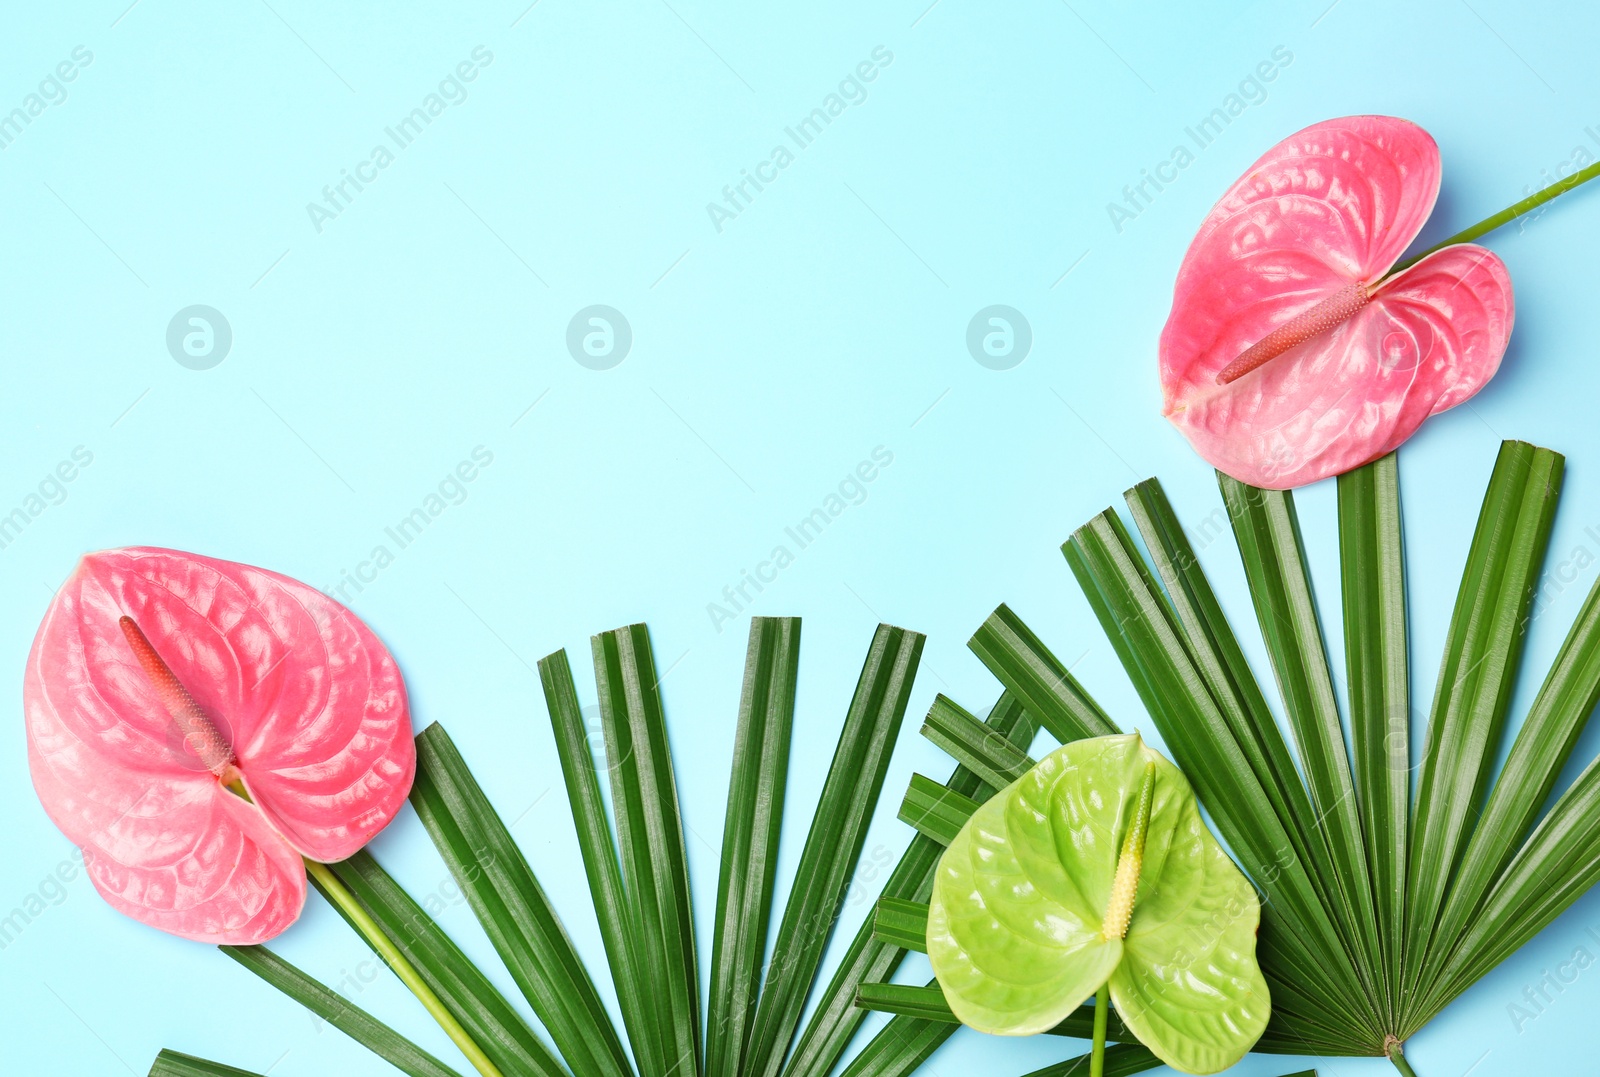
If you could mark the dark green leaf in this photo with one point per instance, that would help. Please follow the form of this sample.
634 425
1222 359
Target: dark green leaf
617 915
935 811
838 830
649 827
929 1004
1372 564
1037 679
1123 1060
899 1048
836 1017
1542 747
1297 928
901 923
750 837
173 1064
1220 660
1482 650
1557 865
511 906
989 754
348 1018
483 1011
1268 532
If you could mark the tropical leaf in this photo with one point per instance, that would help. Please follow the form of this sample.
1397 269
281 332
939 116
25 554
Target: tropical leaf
175 1064
1377 911
929 1003
343 1015
838 830
900 1046
512 908
492 1022
650 840
750 838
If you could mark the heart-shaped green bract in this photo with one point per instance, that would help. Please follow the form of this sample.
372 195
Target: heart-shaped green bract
1019 902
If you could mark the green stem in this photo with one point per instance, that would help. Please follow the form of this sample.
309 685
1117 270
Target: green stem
1398 1057
391 954
1510 213
403 968
1097 1060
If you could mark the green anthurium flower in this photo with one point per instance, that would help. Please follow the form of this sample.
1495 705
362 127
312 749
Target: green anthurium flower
1096 868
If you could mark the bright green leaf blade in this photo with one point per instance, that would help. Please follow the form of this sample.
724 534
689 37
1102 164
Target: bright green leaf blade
833 845
750 837
1542 747
650 836
835 1020
1015 926
616 914
175 1064
1037 679
339 1012
1298 933
1482 651
472 1000
1373 586
506 897
1267 529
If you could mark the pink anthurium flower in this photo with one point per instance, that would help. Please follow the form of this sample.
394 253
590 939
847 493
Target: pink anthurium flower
1292 351
158 680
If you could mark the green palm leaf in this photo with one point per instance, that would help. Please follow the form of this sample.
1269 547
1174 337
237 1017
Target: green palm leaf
1371 555
175 1064
1007 730
1377 910
483 1011
343 1015
650 839
838 830
750 838
506 897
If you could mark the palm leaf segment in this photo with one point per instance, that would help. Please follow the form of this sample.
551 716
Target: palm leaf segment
1380 905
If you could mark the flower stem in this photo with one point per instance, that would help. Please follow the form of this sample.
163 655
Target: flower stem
392 955
1510 213
1097 1059
396 960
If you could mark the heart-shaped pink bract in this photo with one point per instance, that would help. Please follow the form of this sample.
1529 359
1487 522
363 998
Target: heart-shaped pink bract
156 678
1317 223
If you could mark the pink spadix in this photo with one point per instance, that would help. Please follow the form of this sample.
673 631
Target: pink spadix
200 735
156 679
1292 352
1339 307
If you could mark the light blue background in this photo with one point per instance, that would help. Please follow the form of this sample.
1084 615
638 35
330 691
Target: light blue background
826 320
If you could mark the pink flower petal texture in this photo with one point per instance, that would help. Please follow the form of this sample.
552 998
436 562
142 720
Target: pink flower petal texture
300 694
1322 217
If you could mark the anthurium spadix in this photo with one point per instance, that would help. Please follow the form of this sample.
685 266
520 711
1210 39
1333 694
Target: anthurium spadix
159 684
1293 352
1095 868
